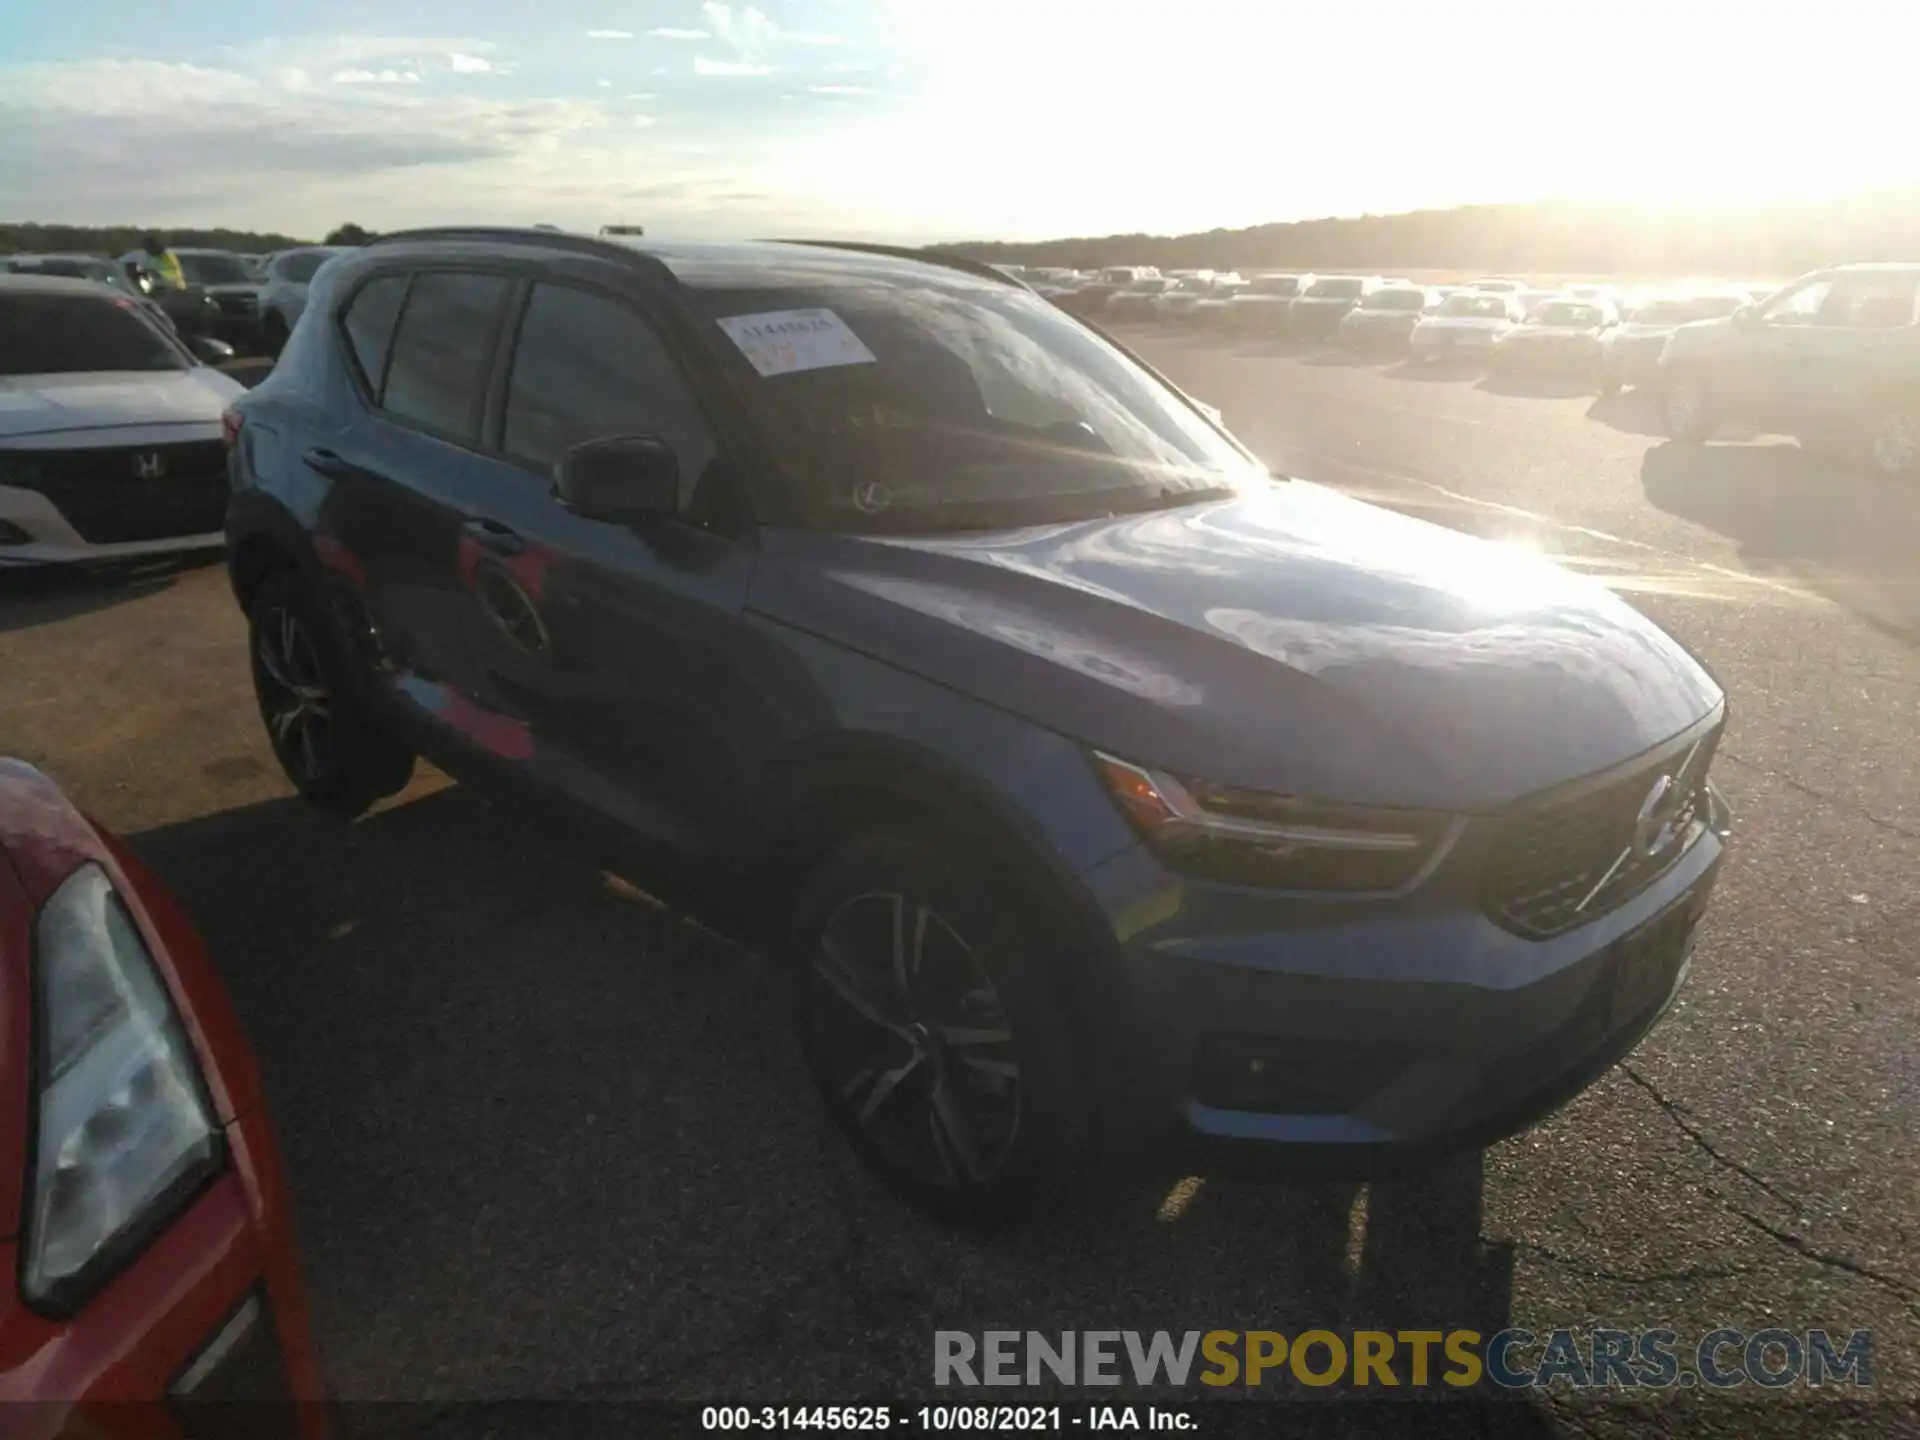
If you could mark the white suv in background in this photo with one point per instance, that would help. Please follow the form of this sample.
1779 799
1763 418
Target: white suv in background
284 295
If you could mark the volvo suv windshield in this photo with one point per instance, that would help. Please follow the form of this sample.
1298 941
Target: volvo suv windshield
923 406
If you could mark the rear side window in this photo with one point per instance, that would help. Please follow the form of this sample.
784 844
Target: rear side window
442 352
300 268
369 326
587 367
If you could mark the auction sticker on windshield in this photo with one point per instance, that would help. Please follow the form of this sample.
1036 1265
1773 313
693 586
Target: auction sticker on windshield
782 342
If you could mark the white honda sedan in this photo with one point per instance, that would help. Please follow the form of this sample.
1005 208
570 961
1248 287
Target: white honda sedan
110 429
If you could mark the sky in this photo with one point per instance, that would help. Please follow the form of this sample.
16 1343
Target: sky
918 120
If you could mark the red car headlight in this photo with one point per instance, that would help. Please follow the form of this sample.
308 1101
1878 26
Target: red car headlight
124 1132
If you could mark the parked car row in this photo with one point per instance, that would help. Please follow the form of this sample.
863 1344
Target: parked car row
250 302
1832 359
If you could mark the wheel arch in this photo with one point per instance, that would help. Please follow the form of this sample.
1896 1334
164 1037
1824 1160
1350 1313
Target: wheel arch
834 788
262 539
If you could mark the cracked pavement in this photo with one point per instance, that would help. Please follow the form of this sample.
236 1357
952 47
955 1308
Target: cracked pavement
548 1138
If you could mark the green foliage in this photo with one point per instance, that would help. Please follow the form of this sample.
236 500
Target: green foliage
349 234
30 238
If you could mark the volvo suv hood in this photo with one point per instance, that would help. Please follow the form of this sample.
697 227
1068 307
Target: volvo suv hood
1291 640
46 404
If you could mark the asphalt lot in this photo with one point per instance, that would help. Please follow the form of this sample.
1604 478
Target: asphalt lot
547 1139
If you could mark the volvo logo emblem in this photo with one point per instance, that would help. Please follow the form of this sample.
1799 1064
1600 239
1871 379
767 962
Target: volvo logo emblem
872 497
1653 827
149 465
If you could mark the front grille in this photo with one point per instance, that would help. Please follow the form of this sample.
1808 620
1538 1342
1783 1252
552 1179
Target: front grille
238 304
104 495
1559 864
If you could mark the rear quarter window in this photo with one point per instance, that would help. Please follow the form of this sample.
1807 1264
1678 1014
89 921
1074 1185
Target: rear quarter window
368 324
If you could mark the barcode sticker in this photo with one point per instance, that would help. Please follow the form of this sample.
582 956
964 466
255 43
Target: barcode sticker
783 342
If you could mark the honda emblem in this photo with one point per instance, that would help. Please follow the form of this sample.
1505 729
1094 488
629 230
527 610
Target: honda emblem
149 465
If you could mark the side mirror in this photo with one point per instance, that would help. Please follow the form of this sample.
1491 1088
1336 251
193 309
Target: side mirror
624 479
211 351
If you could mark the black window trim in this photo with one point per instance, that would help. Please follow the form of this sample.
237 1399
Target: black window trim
473 443
370 390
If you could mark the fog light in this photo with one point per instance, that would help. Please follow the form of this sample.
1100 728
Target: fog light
1288 1076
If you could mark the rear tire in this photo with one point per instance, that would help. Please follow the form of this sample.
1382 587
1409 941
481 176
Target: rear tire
936 1030
1893 442
335 749
1686 407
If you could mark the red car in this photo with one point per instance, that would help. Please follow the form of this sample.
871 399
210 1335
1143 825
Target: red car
146 1245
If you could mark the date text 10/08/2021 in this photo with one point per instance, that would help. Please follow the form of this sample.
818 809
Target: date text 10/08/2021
942 1418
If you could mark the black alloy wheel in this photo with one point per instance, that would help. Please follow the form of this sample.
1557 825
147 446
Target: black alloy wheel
295 701
928 1015
339 755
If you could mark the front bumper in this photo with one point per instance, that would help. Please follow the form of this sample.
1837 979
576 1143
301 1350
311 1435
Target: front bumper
1262 1034
115 494
207 1323
34 532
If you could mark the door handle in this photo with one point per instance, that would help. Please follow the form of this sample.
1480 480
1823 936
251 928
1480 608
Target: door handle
491 535
327 463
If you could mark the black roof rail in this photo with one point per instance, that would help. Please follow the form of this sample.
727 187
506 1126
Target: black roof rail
928 257
527 235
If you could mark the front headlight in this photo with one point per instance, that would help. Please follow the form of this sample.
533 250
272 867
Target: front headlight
1249 837
124 1128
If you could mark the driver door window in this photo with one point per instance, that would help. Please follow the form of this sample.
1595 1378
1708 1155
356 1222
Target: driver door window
586 367
1803 306
1873 300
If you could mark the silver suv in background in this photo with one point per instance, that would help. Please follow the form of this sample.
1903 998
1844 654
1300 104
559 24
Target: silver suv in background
283 297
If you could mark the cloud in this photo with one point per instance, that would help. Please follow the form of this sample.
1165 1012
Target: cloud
747 29
703 66
840 90
643 95
673 32
376 77
810 37
609 35
464 64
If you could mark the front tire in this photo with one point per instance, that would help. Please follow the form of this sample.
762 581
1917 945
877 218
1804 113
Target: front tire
1893 443
933 1023
336 751
273 333
1686 406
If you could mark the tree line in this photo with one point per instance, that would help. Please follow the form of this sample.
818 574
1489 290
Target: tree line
26 237
1584 238
1561 237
